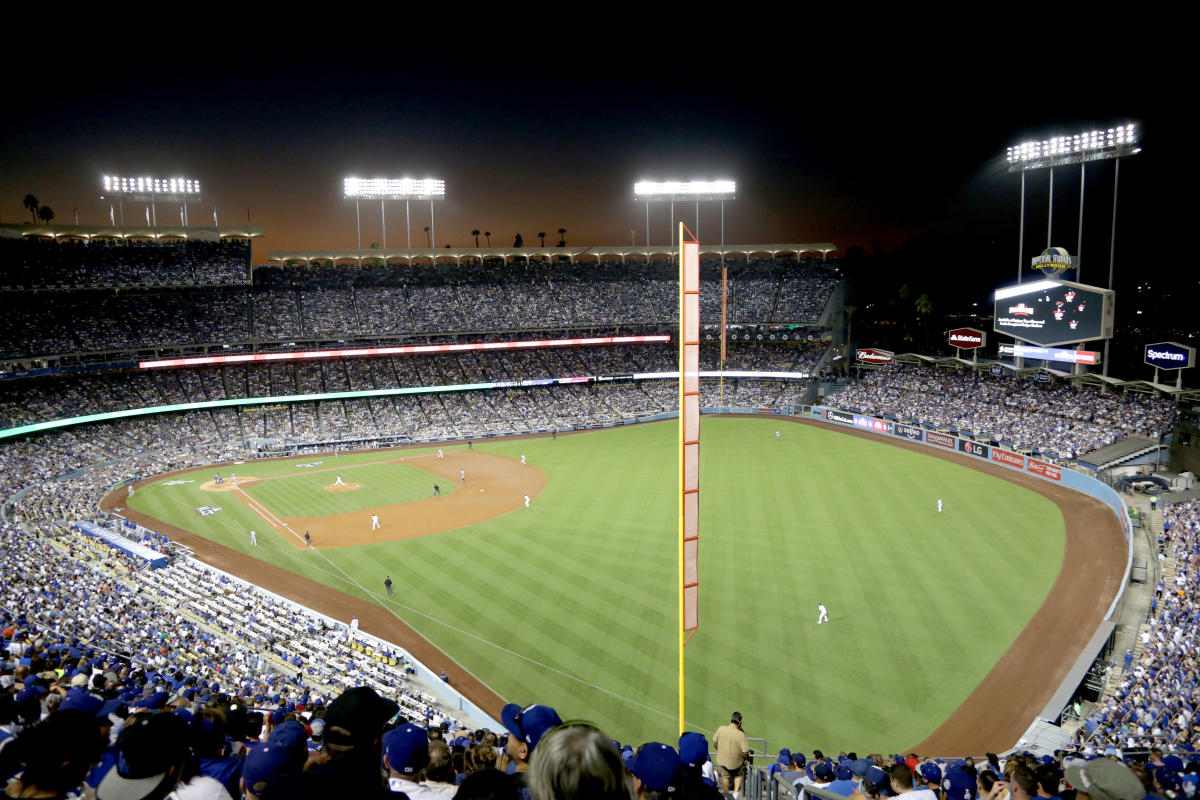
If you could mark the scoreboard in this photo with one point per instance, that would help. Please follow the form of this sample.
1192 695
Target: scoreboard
1054 312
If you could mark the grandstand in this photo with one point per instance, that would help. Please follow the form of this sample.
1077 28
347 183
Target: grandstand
86 308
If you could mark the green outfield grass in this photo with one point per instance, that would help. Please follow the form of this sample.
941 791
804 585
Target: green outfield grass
573 602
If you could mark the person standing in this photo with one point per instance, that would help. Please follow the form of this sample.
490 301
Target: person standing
387 584
440 453
733 753
822 614
253 538
375 522
777 434
527 501
307 539
522 458
462 475
939 505
437 490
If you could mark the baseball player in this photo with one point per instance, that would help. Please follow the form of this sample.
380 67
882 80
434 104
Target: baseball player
939 505
253 538
233 477
440 453
462 475
217 479
307 539
522 458
375 522
776 434
339 481
527 501
437 490
822 615
130 492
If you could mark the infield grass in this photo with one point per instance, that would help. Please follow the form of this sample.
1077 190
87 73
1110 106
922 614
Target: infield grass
573 602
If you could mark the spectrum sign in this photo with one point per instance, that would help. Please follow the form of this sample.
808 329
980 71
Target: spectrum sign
1170 355
967 338
392 351
874 355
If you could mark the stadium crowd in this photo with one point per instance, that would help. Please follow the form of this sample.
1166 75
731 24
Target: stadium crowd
288 303
1059 420
1156 700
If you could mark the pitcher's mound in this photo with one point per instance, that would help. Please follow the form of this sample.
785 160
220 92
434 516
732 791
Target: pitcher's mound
346 487
229 486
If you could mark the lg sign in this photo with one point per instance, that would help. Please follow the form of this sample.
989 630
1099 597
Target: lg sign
966 338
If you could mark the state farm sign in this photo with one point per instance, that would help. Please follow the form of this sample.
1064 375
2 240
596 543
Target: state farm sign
873 355
967 338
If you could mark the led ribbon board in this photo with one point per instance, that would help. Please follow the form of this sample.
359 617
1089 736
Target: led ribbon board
195 361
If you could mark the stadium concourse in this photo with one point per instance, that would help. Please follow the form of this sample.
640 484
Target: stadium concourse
129 680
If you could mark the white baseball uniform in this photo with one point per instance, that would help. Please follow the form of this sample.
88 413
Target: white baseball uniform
462 475
776 434
440 453
375 522
522 458
339 481
253 539
527 501
822 616
939 505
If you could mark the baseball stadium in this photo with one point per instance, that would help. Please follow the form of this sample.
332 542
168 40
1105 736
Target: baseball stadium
446 484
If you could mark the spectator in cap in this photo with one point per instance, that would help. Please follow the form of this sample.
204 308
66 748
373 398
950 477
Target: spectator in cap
900 778
1103 779
54 755
350 766
959 784
733 753
526 727
849 777
655 768
207 734
577 762
930 775
405 756
874 784
152 752
696 783
264 768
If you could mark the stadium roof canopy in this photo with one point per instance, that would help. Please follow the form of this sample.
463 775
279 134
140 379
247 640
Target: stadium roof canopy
205 233
592 252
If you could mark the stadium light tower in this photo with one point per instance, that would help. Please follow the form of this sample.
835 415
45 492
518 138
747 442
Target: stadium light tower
1117 142
684 191
384 189
149 190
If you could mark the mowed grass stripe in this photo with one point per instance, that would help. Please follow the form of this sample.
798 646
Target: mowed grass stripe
584 582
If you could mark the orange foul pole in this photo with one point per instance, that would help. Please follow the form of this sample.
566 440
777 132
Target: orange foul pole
689 446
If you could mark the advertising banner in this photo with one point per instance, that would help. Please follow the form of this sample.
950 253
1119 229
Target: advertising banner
874 355
967 338
833 415
911 432
1050 471
1054 312
872 424
1009 459
940 439
973 448
1170 355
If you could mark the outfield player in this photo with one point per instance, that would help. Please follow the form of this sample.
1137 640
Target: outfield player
253 538
939 505
822 615
339 481
776 434
375 522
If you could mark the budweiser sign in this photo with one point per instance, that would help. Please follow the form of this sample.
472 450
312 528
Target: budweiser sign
873 355
967 338
1050 471
1007 458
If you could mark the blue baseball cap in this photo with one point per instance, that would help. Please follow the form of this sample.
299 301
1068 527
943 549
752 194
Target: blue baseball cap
79 700
959 785
860 767
844 772
693 749
265 763
931 772
823 772
406 749
531 723
656 765
876 777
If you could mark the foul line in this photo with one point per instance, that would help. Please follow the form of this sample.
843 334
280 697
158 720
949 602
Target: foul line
259 508
384 603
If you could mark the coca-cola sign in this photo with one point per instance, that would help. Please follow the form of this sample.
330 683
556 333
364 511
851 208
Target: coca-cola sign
874 355
967 338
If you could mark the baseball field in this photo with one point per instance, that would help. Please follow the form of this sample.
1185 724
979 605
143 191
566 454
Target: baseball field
571 601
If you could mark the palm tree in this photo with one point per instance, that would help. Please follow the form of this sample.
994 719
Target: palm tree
923 305
45 213
488 234
562 237
542 236
519 242
475 233
427 240
32 204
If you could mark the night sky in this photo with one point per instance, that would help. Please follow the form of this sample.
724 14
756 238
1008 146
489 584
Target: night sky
859 147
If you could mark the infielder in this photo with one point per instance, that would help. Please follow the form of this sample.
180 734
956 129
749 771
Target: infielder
939 505
462 475
440 453
233 477
375 522
253 538
522 458
339 481
437 490
527 501
822 615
